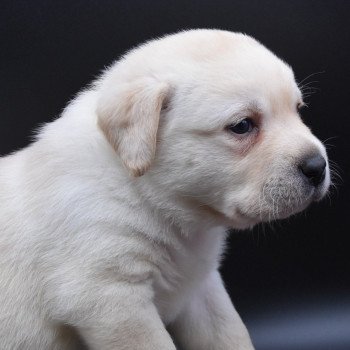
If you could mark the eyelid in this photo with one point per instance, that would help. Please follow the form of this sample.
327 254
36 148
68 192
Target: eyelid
240 119
250 118
250 113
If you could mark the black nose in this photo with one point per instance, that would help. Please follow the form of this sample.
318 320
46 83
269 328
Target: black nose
314 168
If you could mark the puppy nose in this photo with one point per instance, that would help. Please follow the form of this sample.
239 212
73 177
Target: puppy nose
314 168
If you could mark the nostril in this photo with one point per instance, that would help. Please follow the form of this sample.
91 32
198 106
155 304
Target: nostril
313 167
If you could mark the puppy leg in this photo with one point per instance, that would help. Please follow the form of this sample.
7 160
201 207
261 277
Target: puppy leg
210 322
122 318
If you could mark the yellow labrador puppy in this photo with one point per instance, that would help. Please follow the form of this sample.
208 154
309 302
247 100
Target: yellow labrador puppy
113 221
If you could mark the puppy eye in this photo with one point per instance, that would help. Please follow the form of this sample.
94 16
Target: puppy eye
243 127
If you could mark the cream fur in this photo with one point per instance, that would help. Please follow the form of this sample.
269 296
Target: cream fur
90 247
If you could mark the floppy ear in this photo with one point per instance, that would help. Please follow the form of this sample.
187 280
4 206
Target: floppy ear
128 115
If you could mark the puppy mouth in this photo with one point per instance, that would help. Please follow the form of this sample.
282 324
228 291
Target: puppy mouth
279 197
277 206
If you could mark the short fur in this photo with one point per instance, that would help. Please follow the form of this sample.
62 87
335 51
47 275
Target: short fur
90 247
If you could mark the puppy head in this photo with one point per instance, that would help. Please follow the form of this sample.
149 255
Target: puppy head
231 138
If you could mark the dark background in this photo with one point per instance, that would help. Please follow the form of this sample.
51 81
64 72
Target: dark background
290 283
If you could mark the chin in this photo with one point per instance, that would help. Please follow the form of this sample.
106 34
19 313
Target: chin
288 212
248 219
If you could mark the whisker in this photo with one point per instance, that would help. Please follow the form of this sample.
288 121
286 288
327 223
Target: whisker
310 89
311 75
308 83
330 138
328 145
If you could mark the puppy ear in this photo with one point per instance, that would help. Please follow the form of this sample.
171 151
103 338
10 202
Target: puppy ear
128 115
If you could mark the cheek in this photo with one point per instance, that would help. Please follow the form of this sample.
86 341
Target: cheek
257 161
243 146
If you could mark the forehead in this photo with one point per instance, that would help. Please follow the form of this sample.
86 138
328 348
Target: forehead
254 75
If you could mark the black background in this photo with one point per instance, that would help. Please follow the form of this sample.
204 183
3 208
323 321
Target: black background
291 283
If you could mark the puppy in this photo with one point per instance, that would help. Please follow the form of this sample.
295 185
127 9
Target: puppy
113 221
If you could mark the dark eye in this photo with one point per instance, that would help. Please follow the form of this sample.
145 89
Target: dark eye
243 127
